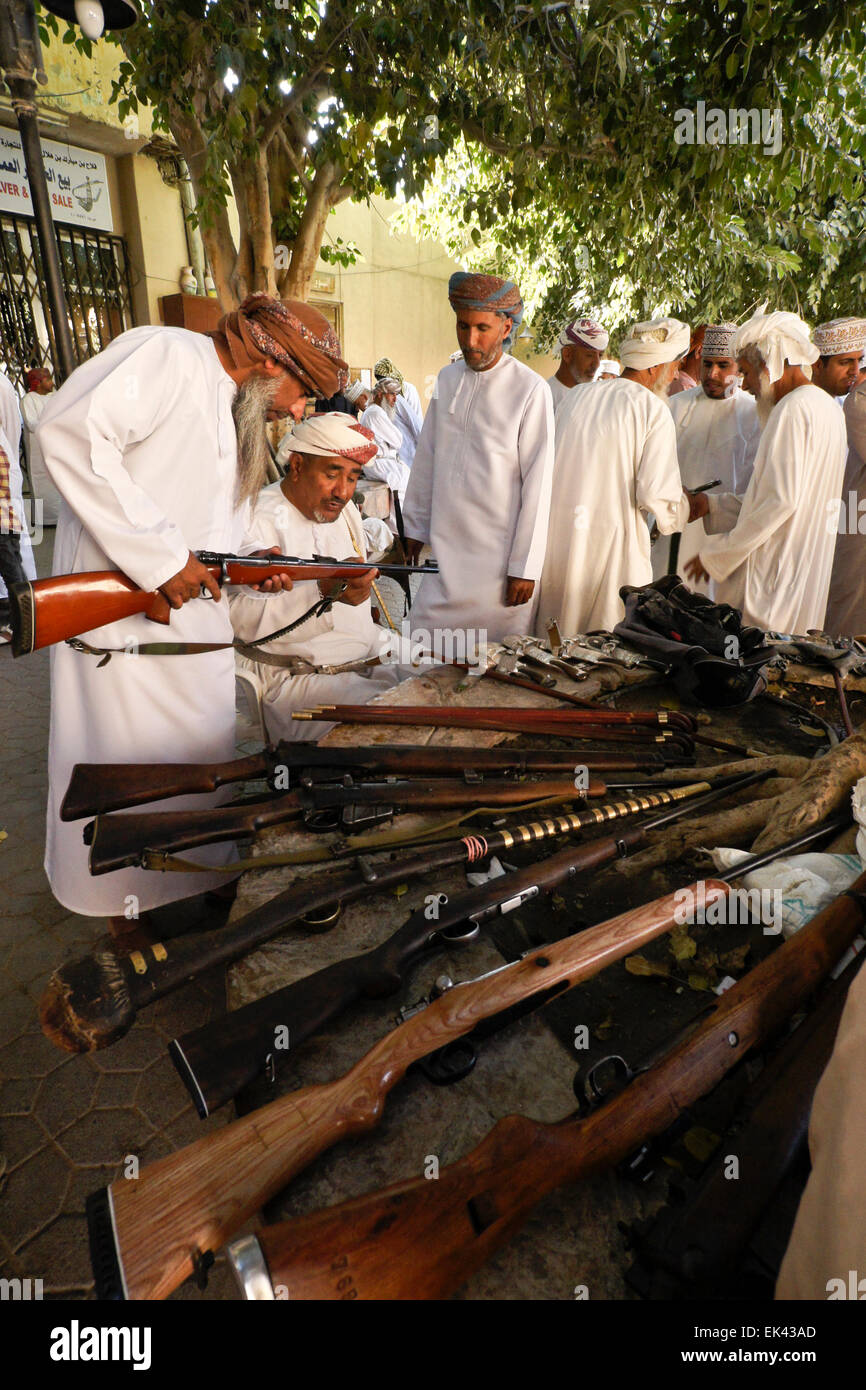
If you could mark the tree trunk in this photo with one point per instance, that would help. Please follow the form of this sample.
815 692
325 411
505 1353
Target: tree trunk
324 194
255 269
217 235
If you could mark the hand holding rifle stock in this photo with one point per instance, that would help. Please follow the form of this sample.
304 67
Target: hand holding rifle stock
54 610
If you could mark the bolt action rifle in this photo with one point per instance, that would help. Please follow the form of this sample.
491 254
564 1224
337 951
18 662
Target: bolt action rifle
423 1240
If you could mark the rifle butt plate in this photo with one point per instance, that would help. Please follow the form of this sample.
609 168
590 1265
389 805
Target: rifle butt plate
21 616
188 1077
104 1257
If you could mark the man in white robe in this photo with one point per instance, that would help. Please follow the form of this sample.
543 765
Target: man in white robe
408 415
579 347
479 490
717 436
388 465
616 460
156 446
771 551
10 442
846 604
47 499
311 512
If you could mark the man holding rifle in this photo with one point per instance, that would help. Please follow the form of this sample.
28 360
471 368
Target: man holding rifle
157 446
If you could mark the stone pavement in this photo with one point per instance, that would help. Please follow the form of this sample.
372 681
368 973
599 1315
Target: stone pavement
68 1122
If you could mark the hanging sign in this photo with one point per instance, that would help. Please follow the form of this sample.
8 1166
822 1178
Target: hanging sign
76 179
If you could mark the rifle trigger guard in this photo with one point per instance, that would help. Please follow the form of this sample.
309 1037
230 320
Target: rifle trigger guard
449 1063
270 1069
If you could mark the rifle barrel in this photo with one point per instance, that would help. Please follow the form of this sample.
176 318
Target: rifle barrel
91 1002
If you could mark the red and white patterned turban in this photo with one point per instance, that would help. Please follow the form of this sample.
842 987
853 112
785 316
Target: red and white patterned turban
332 435
583 333
293 334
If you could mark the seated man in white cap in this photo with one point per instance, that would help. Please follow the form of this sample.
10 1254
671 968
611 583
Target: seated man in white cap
846 605
717 434
615 461
310 512
771 551
579 346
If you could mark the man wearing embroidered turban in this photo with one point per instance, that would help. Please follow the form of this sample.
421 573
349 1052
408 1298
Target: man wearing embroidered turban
408 415
616 461
580 346
479 490
841 344
157 446
770 550
310 512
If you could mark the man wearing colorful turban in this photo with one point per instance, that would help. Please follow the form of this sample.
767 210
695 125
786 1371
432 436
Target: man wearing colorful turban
580 346
157 446
408 415
479 490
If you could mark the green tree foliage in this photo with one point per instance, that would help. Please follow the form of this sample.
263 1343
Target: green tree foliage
551 127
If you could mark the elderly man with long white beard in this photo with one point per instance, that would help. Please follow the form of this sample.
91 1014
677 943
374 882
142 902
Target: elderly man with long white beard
479 490
579 346
157 446
717 432
616 460
311 512
408 415
771 551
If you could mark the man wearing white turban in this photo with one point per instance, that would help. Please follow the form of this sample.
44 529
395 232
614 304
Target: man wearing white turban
771 550
310 512
389 464
580 346
717 432
616 460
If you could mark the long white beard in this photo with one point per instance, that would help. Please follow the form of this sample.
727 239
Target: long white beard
765 401
249 409
661 387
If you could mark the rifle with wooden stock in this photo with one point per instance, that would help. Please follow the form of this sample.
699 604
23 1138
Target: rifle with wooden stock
217 1060
663 727
95 788
149 1233
92 1002
423 1240
127 839
45 611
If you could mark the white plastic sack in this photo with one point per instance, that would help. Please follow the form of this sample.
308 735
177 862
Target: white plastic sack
806 882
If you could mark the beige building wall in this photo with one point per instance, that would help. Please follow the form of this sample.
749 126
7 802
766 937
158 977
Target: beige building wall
155 234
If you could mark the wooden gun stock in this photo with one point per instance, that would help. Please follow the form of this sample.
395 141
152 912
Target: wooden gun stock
420 1239
96 788
151 1228
46 611
91 1002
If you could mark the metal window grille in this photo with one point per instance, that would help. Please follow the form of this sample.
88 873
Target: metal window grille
96 284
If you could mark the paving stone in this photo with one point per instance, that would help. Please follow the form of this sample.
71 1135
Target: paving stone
16 1015
33 1195
65 1098
20 1136
116 1088
60 1256
136 1052
31 1055
30 957
160 1094
105 1136
84 1181
17 1097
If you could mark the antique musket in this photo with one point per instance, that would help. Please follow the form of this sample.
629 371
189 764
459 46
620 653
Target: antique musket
149 1233
423 1240
216 1061
91 1002
95 788
45 611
